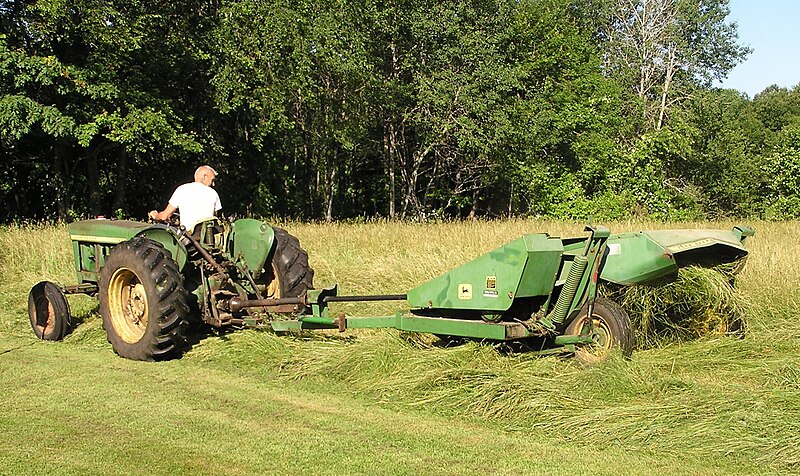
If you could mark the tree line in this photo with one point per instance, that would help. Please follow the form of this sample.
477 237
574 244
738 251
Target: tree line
413 109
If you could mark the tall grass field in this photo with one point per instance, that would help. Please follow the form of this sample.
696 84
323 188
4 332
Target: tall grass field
698 400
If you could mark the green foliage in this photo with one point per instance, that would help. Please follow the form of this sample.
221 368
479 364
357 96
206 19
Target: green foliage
777 107
648 178
728 139
91 83
662 51
783 166
418 109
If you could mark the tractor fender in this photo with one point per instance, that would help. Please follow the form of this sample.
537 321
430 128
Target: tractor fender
645 256
167 237
250 243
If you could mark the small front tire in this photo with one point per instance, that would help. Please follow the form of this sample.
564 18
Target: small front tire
48 311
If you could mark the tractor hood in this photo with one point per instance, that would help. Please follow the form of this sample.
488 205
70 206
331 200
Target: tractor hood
92 240
105 231
638 258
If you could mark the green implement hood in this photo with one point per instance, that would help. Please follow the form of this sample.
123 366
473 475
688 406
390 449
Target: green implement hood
525 267
637 258
106 231
92 241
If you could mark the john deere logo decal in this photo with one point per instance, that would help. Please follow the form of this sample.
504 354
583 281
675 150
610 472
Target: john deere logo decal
464 291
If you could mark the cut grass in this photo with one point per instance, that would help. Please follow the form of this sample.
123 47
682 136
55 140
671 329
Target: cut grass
673 400
728 402
83 411
699 302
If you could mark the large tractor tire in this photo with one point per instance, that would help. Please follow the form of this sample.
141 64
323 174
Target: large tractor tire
287 273
609 327
143 301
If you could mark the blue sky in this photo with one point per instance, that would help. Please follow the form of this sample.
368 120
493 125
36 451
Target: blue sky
772 29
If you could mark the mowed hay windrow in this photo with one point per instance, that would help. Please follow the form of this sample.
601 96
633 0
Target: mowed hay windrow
698 302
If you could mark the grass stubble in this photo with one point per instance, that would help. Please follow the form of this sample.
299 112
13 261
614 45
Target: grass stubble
689 391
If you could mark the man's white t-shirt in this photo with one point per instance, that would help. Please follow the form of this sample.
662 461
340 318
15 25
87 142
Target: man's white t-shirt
196 202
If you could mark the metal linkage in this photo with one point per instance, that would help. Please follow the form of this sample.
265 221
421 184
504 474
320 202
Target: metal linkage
237 304
368 298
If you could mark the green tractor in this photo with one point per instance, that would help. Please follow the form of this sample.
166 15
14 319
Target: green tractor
155 280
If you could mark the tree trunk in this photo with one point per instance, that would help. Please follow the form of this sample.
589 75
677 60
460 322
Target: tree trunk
387 150
330 187
59 182
473 212
93 184
669 74
510 200
120 184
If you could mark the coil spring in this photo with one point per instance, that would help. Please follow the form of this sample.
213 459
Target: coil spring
568 290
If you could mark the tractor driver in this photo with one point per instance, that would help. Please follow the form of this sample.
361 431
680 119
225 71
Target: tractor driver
196 200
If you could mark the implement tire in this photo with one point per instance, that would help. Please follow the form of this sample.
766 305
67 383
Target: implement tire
287 272
610 329
143 301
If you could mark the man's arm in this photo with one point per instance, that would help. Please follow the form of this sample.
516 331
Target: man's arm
162 215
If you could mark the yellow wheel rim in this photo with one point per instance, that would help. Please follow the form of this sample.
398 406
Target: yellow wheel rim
601 334
602 340
127 305
274 286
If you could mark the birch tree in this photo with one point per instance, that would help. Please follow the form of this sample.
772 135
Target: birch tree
663 49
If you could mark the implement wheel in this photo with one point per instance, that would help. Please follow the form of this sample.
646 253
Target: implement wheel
287 273
48 310
143 301
609 327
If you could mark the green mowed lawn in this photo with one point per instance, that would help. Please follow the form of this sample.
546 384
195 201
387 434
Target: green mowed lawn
72 410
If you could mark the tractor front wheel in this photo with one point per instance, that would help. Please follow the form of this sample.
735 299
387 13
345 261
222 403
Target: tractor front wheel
609 327
48 310
143 301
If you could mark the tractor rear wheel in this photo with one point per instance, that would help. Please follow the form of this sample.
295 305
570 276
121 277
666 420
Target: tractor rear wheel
609 327
143 301
287 272
48 311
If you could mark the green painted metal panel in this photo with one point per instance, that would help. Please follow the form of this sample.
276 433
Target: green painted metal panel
105 231
525 267
634 258
93 240
432 325
167 238
677 241
544 259
461 327
251 241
